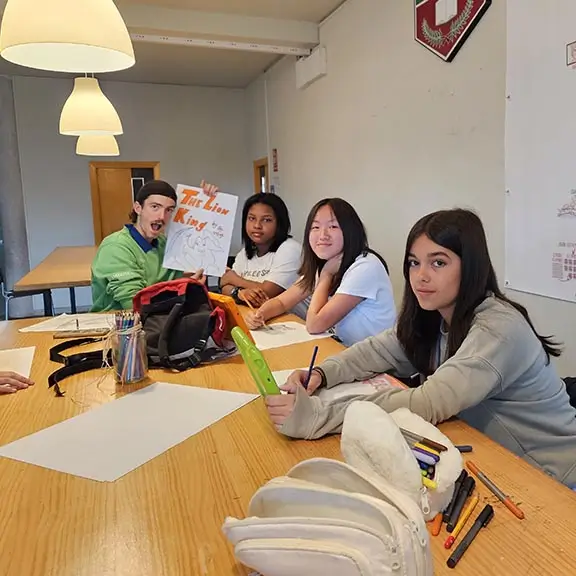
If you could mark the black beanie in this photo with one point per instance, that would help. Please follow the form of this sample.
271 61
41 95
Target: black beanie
156 187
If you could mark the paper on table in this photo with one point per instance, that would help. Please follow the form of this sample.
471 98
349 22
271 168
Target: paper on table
18 360
66 322
283 334
371 386
118 437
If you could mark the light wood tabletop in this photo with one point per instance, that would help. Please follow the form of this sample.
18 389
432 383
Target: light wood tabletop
165 518
65 267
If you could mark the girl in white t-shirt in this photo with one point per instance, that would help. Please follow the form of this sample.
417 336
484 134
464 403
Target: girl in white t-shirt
270 259
348 283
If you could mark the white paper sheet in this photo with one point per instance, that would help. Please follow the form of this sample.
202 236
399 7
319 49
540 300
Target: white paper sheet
366 387
118 437
283 334
200 233
18 360
66 322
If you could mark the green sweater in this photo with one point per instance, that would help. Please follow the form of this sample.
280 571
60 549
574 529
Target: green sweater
122 268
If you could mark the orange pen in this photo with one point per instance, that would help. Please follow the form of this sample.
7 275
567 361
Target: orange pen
437 524
495 490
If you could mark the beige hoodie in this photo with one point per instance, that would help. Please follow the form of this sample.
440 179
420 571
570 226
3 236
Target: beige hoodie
499 381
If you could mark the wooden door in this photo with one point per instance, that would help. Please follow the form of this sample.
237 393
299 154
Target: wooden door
261 175
114 186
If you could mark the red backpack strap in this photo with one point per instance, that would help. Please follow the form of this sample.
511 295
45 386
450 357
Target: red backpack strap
145 296
219 331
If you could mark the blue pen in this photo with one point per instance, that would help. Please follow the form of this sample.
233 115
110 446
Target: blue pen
311 367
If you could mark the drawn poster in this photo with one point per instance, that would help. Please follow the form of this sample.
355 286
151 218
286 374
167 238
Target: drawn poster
540 138
200 233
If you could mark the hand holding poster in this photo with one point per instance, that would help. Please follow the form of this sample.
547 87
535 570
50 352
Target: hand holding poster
200 233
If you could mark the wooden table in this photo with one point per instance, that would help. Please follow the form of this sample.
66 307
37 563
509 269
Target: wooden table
65 267
165 518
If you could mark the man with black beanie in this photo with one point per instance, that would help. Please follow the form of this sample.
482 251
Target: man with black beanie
131 259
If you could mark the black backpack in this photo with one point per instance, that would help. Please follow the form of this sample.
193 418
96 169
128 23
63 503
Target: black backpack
182 326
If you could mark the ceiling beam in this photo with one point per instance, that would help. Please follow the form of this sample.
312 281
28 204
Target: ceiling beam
155 21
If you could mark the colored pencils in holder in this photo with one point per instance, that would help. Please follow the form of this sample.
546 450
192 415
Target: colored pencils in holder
130 348
427 453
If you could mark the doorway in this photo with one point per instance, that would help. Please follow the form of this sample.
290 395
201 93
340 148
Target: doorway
261 176
114 186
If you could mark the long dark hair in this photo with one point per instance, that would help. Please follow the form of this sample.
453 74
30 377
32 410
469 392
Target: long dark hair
355 243
283 225
460 231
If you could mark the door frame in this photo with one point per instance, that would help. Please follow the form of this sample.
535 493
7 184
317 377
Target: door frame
95 190
257 165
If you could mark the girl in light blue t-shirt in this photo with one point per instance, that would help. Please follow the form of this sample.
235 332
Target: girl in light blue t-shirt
347 282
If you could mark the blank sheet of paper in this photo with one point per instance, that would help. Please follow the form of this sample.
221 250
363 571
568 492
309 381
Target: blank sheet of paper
283 334
118 437
66 322
18 360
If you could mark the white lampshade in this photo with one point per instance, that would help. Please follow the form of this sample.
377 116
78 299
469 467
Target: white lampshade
88 111
66 35
97 145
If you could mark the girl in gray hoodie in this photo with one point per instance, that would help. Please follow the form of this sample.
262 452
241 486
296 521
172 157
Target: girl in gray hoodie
476 352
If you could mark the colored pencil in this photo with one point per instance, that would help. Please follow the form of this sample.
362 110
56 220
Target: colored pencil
417 438
496 491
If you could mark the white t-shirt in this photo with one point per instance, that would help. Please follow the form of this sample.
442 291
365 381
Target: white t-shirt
366 278
280 267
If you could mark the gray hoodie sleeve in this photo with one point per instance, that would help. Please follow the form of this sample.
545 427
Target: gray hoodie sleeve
464 380
375 355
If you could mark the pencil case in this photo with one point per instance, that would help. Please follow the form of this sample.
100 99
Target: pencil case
325 517
373 443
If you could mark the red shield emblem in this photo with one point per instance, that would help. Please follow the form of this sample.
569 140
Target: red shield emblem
443 26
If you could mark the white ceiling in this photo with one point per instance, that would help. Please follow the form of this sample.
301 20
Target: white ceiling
287 23
303 10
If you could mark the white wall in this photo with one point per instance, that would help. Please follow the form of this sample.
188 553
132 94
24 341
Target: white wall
194 133
255 114
400 133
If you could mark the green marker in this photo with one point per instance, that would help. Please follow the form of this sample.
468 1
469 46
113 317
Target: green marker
255 362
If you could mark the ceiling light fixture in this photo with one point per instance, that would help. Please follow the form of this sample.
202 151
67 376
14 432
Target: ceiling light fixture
88 111
105 145
66 36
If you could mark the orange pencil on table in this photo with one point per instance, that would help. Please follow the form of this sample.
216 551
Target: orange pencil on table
462 521
437 524
495 490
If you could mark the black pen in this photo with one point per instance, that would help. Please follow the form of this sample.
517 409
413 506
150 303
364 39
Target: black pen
457 486
481 522
467 488
311 367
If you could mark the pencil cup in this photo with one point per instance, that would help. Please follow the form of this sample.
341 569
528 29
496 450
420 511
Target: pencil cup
129 356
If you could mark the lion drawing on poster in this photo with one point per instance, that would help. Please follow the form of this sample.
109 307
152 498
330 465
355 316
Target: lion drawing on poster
193 250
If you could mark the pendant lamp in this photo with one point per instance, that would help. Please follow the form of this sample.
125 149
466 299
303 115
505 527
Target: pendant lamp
88 111
66 36
88 145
